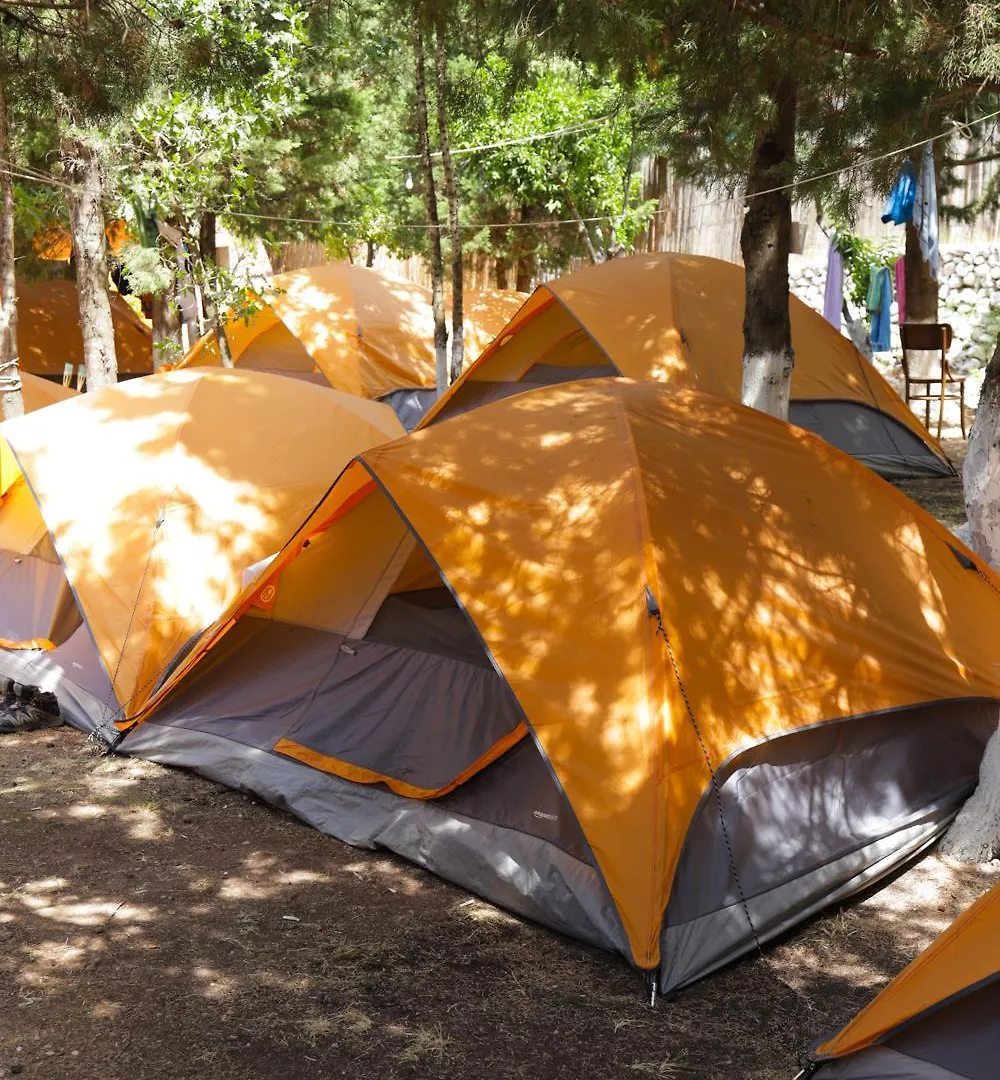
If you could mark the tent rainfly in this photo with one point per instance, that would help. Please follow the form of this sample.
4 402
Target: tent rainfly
678 320
141 509
361 331
658 671
36 393
939 1019
49 336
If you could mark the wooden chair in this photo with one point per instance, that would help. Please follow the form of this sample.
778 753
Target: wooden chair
931 338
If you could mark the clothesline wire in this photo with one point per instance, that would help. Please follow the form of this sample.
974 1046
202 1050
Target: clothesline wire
853 167
569 129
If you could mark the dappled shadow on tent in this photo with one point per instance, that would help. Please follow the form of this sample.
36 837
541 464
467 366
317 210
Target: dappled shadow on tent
677 320
159 495
49 334
368 333
794 588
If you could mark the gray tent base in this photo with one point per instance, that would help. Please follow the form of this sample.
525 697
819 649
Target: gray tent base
958 1041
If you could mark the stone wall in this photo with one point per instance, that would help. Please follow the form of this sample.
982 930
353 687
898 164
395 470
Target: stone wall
969 299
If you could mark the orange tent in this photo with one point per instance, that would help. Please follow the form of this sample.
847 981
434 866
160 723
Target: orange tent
654 669
364 332
678 320
939 1019
36 393
48 331
486 312
147 502
55 243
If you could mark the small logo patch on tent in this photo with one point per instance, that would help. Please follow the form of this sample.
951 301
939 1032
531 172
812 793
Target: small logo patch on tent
266 596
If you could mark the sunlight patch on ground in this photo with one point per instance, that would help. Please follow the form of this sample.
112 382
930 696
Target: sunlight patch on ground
394 877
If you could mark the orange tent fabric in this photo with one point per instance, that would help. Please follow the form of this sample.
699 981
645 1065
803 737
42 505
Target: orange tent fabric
486 312
676 320
965 958
626 551
36 394
48 331
55 244
159 493
368 333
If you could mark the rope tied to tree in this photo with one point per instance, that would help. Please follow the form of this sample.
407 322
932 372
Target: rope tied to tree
10 376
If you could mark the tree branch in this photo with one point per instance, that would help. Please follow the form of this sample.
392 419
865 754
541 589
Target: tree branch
851 48
982 159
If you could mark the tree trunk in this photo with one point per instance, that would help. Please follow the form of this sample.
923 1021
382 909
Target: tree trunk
451 193
921 289
982 468
433 219
207 246
10 377
524 272
765 241
501 267
370 254
166 329
90 252
975 835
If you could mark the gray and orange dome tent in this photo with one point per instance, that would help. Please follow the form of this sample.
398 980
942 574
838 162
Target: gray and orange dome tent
939 1019
678 320
656 670
360 331
130 516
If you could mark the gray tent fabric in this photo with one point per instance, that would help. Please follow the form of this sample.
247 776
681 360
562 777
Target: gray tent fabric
959 1040
874 438
882 1063
74 673
35 591
410 405
963 1036
811 816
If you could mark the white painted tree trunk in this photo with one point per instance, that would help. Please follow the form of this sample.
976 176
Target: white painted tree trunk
765 241
975 835
981 474
90 252
767 380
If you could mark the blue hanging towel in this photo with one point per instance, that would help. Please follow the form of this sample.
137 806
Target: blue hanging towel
879 304
899 206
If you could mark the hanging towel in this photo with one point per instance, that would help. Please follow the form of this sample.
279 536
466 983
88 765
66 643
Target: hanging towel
925 213
879 304
899 206
833 298
901 290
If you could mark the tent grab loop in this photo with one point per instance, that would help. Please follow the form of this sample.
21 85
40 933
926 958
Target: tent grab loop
654 612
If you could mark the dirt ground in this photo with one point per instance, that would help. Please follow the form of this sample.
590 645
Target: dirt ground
154 926
942 497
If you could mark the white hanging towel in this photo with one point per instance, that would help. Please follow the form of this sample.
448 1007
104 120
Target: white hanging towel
925 211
